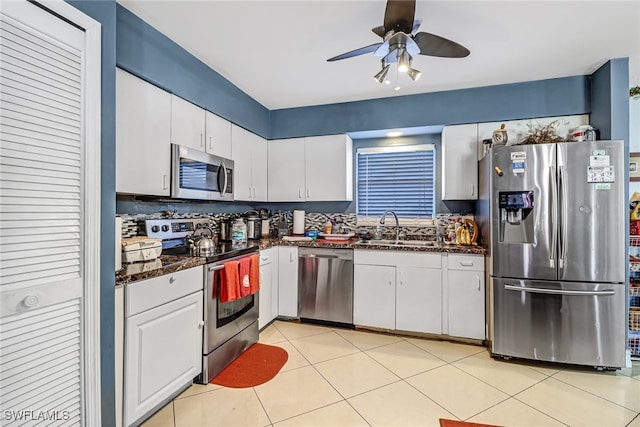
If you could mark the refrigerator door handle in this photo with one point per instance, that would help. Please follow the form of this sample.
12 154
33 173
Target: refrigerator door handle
554 217
563 219
559 291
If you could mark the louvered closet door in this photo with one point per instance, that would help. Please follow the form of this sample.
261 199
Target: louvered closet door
41 193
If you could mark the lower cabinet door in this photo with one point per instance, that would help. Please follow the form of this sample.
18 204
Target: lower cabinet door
288 281
264 295
163 353
419 299
374 289
466 304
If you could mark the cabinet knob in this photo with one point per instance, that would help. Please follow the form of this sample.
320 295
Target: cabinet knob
172 279
200 324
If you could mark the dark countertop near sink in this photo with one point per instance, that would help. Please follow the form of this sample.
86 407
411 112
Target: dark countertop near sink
171 263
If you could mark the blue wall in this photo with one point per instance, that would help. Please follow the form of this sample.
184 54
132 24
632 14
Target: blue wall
149 54
105 13
543 98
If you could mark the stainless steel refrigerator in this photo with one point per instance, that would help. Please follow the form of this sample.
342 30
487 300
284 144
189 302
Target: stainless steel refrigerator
553 217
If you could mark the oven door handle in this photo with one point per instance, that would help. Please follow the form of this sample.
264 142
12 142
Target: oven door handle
558 291
215 267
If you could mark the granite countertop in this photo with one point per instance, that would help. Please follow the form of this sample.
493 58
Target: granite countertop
168 264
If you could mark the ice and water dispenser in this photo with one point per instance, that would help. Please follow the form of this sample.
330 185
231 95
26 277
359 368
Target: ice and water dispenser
516 221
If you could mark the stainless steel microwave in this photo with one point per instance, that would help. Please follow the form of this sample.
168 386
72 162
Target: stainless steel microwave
199 175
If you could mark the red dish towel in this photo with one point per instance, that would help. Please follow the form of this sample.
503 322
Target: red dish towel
254 274
230 283
245 269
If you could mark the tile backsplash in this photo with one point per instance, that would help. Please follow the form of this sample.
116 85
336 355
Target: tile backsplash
133 225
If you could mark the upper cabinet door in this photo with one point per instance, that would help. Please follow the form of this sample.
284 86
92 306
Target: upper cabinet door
143 153
241 156
259 168
329 168
218 135
187 124
286 170
460 162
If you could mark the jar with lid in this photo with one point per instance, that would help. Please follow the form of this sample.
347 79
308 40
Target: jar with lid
239 231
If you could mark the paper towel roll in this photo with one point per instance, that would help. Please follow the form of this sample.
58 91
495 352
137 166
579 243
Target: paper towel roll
298 222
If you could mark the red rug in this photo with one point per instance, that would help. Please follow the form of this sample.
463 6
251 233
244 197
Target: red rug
455 423
257 365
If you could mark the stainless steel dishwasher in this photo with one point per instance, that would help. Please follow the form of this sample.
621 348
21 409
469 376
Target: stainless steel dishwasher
325 284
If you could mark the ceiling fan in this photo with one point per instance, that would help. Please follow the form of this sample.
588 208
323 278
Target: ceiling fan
400 41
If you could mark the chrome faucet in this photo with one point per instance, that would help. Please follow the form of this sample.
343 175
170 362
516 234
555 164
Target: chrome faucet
384 215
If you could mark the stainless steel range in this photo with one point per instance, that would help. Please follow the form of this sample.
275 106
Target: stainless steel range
230 327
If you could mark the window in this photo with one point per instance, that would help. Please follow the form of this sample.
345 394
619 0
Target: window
400 178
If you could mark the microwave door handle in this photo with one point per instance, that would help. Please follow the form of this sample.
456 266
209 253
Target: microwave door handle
222 168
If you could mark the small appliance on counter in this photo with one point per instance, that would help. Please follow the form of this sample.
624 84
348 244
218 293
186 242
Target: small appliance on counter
140 248
282 227
226 226
254 225
265 225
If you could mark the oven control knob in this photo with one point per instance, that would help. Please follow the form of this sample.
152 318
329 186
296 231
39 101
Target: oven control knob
155 228
165 228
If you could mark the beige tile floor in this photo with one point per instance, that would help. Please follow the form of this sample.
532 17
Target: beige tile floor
337 377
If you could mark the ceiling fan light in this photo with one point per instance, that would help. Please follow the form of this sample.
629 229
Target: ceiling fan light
404 61
380 76
414 74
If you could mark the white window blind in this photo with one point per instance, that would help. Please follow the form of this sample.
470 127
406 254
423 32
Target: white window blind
399 178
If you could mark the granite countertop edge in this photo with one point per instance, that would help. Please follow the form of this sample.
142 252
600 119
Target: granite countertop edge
172 264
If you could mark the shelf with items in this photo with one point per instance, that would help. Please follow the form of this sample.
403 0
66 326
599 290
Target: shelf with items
634 291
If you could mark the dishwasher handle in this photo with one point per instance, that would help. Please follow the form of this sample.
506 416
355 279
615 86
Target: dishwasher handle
318 256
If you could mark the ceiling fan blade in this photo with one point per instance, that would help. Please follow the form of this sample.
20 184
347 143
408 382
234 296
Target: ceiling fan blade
379 31
399 15
433 45
361 51
416 25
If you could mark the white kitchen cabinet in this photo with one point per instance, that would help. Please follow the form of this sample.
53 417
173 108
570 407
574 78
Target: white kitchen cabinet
329 168
187 124
249 153
286 170
460 162
318 168
419 299
217 135
163 340
118 350
374 296
143 135
268 296
288 281
466 296
398 290
197 128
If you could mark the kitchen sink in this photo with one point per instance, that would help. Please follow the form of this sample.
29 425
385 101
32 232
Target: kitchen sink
405 243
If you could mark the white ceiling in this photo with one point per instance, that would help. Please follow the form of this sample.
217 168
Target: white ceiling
276 51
